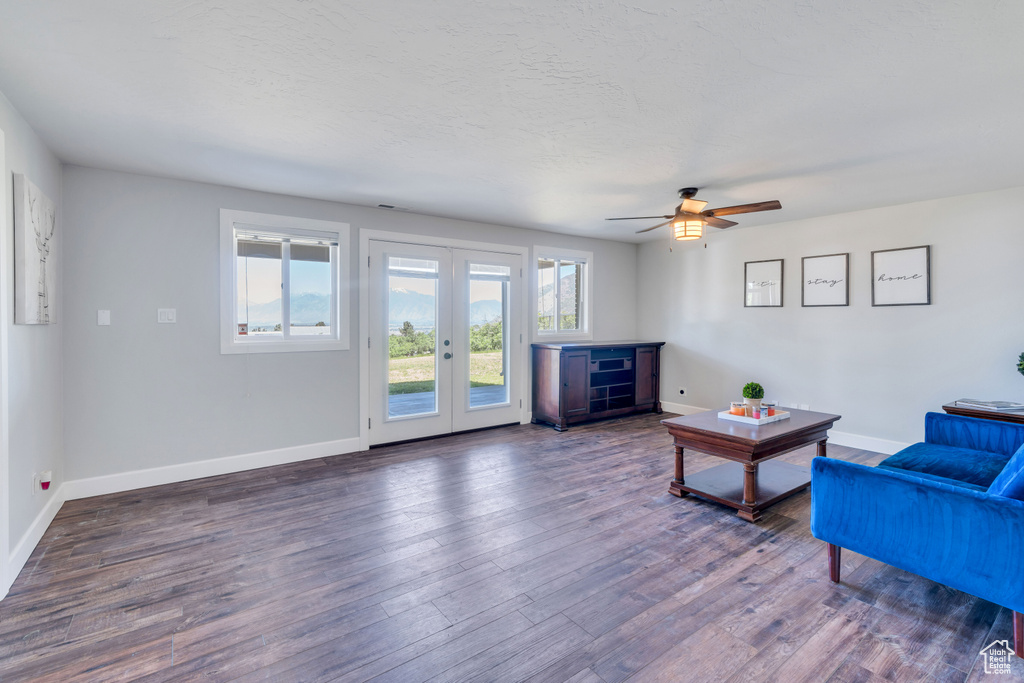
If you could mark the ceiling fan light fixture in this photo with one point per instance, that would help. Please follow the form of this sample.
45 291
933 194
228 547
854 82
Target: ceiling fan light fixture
687 229
691 217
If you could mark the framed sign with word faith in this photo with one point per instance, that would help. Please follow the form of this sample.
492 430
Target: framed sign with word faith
901 277
762 283
826 280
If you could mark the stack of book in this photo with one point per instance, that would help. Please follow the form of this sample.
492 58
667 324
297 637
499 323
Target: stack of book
1000 406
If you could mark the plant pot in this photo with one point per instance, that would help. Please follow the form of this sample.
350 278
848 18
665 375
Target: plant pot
751 403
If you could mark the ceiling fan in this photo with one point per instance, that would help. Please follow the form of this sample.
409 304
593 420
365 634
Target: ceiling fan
690 217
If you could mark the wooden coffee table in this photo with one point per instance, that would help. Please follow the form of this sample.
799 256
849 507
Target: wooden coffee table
748 483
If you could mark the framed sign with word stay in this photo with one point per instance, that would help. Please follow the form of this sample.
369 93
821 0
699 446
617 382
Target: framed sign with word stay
826 280
762 283
901 277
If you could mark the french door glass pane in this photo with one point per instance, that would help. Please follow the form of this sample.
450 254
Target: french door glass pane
310 289
488 331
412 347
259 289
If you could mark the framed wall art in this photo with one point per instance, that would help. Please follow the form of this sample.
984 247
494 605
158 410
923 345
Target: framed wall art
762 283
35 281
901 277
825 280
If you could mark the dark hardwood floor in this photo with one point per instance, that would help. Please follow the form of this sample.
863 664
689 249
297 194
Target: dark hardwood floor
512 554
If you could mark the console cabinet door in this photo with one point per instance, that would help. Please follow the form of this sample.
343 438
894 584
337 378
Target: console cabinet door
575 380
646 375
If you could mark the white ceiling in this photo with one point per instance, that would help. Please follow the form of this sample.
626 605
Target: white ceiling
546 114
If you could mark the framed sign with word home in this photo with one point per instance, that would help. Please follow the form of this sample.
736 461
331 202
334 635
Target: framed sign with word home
762 283
826 280
901 277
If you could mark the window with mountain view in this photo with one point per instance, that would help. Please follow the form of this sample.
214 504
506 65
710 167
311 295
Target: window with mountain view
563 293
284 283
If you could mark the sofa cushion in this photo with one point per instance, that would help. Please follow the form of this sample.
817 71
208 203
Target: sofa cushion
974 433
941 480
979 468
1010 482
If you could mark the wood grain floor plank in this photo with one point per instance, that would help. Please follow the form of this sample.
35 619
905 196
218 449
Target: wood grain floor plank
533 647
687 656
330 660
628 652
440 639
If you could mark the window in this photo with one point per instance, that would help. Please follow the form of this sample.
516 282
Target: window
281 283
563 292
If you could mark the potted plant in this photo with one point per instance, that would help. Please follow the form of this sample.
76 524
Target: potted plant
752 394
1020 364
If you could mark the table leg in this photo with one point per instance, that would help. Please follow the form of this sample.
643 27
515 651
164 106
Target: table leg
675 489
749 483
749 494
821 448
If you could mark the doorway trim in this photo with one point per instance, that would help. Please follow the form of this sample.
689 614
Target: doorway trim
365 236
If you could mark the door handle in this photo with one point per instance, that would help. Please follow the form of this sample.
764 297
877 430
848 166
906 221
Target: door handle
447 356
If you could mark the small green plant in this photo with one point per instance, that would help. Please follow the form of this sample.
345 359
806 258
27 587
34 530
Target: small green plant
1020 364
755 390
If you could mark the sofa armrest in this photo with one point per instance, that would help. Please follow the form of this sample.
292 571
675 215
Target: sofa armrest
974 433
965 539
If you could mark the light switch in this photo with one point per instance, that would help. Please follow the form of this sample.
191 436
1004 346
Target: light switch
166 315
102 317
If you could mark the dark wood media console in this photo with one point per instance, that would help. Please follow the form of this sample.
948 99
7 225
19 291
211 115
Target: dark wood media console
577 382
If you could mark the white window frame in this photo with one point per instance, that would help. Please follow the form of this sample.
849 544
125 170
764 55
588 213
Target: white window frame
230 341
586 331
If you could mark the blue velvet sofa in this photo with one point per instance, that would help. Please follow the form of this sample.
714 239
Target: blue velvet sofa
950 509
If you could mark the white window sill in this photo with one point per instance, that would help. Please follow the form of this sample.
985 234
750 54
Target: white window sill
283 346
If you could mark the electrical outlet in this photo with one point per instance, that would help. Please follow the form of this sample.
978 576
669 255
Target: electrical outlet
682 391
41 482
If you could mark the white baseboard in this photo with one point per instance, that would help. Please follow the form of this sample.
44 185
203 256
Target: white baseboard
867 443
681 408
27 543
171 474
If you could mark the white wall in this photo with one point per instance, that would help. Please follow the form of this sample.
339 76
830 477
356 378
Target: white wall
881 368
33 378
143 395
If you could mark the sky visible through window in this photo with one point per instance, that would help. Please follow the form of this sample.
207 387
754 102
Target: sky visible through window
259 293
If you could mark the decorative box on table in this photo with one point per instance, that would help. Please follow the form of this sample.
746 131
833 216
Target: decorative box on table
779 415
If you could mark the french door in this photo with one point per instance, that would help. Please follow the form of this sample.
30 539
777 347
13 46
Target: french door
445 344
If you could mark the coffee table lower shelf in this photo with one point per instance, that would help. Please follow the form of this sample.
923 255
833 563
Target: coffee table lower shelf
724 484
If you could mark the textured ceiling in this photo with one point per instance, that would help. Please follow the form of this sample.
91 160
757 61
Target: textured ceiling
534 113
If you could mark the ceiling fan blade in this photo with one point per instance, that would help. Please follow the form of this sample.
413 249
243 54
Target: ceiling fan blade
633 218
719 222
657 226
743 208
